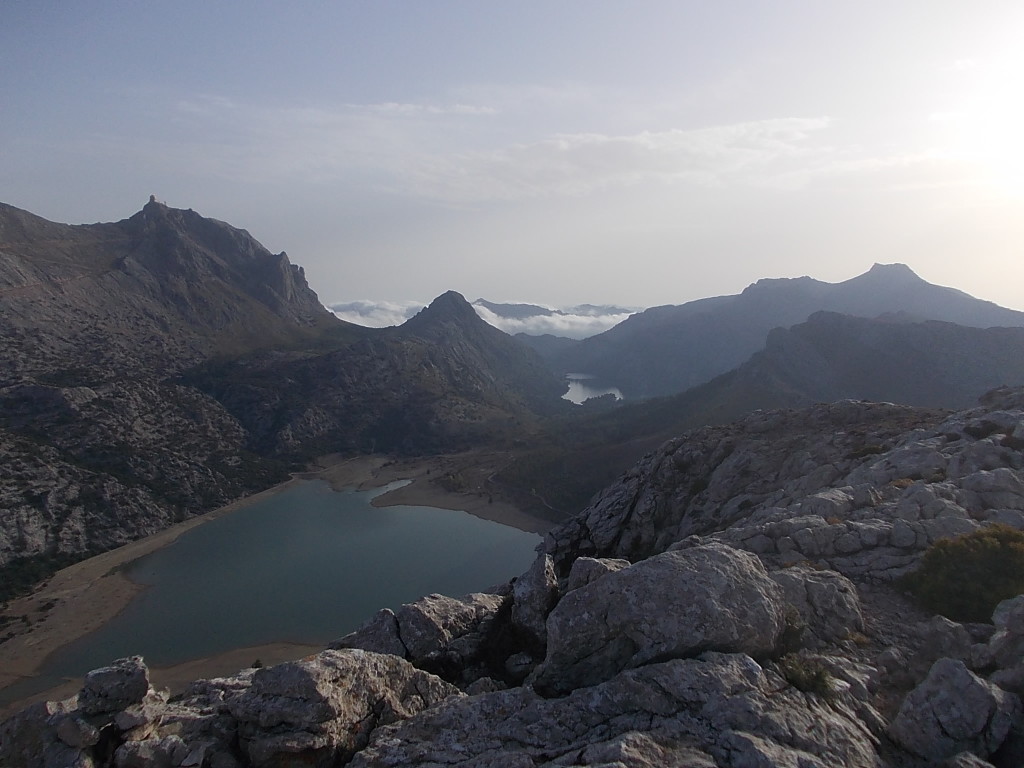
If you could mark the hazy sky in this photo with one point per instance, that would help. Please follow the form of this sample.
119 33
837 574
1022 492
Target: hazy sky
557 152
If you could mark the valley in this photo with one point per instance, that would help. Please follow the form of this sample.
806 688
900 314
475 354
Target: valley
803 443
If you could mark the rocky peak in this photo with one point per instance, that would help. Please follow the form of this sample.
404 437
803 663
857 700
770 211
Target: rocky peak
447 310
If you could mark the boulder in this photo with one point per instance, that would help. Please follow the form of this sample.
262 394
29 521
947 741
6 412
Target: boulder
430 625
953 711
112 688
587 569
826 601
673 605
940 638
322 709
533 595
29 735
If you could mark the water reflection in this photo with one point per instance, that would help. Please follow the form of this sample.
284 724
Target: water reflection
583 386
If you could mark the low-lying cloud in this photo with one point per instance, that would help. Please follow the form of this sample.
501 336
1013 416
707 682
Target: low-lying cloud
566 323
573 323
376 314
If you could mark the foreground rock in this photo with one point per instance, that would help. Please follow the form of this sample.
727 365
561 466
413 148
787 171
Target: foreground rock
751 618
716 710
318 711
954 711
321 710
674 605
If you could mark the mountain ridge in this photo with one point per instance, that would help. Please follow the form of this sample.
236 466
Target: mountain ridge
164 365
669 349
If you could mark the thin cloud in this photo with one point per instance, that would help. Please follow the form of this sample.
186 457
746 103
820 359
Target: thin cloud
579 164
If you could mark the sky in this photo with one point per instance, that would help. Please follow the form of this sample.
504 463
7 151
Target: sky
557 152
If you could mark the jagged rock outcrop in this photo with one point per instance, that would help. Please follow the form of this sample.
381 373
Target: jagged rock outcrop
323 709
763 627
716 710
534 594
673 605
435 632
860 488
318 711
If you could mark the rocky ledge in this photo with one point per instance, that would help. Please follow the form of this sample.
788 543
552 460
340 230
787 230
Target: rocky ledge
734 600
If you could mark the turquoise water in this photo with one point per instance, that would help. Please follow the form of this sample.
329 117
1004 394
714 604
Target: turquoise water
306 565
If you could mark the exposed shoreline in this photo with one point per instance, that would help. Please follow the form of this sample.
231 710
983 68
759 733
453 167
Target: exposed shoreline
83 597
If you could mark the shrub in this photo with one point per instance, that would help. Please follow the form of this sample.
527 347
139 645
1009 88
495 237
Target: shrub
966 577
792 636
807 674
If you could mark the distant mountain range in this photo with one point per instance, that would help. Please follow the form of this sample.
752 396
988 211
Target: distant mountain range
160 366
670 349
827 358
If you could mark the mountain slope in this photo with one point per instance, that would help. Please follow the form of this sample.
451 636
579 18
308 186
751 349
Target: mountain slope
670 349
163 289
158 367
829 357
445 380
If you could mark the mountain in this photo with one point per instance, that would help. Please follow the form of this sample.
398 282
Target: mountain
669 349
515 311
835 357
443 381
745 595
161 366
163 289
829 357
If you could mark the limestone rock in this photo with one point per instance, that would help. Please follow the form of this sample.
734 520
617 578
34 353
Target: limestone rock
941 638
952 711
322 709
718 709
29 734
533 595
587 569
169 751
826 601
432 624
112 688
673 605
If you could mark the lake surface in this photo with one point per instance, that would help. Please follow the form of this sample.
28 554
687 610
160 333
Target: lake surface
583 386
306 565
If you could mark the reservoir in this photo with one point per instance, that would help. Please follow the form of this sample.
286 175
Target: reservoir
583 386
306 565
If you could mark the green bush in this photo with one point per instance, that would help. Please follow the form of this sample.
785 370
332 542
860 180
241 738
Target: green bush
966 577
807 674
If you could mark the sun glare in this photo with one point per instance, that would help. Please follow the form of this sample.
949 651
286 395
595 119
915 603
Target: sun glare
986 131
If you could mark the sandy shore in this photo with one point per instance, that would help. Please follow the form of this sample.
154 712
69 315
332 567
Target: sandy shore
425 490
83 597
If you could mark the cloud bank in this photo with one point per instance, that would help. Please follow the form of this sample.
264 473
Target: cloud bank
376 314
573 322
573 325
